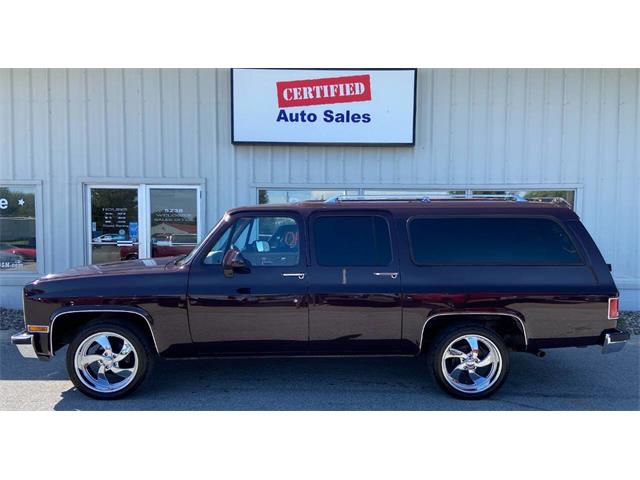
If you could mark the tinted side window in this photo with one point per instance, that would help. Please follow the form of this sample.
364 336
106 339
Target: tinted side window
352 241
490 241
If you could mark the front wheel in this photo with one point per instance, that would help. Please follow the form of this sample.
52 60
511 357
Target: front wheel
469 361
108 360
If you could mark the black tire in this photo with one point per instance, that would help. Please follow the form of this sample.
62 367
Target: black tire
143 359
464 384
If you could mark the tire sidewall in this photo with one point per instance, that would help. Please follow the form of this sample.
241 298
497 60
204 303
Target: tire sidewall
144 358
437 351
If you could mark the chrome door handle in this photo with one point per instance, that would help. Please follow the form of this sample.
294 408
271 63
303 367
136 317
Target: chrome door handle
299 275
386 274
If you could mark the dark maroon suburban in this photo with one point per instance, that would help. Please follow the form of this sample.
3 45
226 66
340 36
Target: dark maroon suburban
463 281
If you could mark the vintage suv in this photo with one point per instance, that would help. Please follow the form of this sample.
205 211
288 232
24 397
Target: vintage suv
464 280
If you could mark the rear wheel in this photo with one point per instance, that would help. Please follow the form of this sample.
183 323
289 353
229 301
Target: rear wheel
108 360
469 361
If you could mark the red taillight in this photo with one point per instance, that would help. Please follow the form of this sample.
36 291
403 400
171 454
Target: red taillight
614 312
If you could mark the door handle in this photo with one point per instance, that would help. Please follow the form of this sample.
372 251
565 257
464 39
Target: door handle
299 275
386 274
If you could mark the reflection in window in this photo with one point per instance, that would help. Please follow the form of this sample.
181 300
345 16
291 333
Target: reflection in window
412 193
114 224
293 196
262 242
534 195
17 229
174 221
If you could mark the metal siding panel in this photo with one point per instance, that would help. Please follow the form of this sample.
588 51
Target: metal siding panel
6 124
20 113
97 124
60 178
170 114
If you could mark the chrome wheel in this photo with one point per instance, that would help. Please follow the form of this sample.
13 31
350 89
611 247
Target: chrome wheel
106 362
471 363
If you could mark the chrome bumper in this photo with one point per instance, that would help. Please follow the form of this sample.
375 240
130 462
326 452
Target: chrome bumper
24 342
614 340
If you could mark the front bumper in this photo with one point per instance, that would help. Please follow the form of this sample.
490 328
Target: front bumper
613 340
25 343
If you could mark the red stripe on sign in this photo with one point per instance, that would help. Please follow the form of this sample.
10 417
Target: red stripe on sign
324 91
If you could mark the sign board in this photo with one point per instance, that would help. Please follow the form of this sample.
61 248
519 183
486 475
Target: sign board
348 107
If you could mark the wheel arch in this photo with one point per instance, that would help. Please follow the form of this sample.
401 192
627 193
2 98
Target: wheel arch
69 320
509 325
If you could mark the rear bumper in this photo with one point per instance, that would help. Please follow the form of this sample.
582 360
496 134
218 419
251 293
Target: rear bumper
25 343
613 340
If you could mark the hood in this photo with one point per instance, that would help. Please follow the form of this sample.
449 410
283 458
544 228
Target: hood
129 267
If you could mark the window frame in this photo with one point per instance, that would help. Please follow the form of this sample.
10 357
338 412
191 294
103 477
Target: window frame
144 188
16 277
575 241
386 216
231 225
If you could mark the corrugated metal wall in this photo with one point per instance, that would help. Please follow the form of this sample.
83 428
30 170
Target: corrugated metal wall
485 128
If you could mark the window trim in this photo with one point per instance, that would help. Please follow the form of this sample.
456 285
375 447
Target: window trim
351 213
19 278
574 241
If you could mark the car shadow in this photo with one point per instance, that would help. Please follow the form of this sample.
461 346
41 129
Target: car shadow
567 379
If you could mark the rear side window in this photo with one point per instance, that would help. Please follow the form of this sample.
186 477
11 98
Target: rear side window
490 241
351 241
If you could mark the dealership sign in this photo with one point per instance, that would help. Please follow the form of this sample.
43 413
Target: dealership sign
323 106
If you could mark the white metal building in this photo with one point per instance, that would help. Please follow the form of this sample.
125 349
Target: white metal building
99 165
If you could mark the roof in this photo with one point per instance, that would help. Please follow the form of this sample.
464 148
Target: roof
414 207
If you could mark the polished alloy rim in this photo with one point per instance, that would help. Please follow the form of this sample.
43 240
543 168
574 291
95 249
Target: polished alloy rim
106 362
471 363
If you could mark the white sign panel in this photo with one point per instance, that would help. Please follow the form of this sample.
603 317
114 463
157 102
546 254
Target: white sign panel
323 106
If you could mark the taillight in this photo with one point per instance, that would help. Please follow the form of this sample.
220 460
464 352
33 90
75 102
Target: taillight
614 304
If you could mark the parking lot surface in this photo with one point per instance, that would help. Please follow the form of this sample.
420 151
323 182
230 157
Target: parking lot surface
566 379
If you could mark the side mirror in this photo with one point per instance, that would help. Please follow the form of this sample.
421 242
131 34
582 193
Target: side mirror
233 261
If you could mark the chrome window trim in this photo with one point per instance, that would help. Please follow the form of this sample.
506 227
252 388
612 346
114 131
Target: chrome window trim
99 311
524 329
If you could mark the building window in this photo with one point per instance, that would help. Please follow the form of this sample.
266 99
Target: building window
141 221
534 195
276 195
293 196
18 247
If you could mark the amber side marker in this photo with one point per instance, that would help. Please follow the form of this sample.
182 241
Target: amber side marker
37 329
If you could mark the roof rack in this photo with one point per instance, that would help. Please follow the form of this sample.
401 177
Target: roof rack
425 199
377 198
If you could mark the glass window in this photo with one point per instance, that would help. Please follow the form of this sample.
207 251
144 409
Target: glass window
351 241
490 241
174 221
18 229
262 241
293 196
411 193
214 257
114 224
533 195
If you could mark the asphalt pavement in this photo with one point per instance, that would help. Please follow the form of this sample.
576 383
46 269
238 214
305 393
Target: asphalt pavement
566 379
